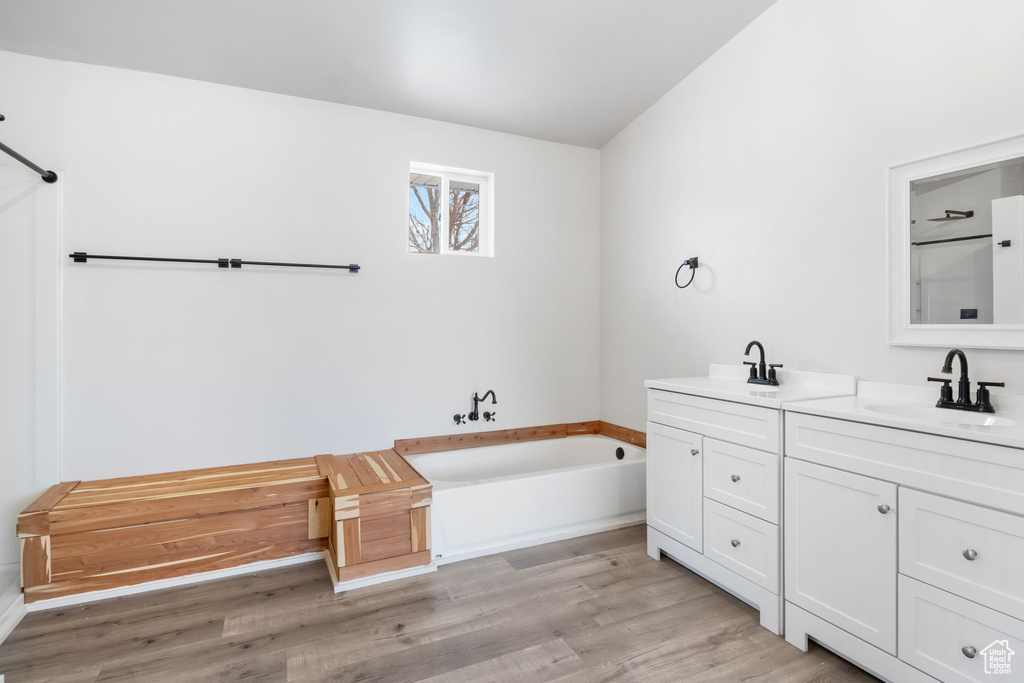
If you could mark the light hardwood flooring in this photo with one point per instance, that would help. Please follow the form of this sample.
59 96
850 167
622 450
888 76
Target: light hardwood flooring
595 608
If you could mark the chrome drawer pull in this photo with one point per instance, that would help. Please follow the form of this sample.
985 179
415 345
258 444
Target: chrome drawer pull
969 651
735 477
694 451
884 509
970 555
734 542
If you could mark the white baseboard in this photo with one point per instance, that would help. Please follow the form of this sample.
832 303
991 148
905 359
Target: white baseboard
12 610
342 586
528 543
171 583
12 603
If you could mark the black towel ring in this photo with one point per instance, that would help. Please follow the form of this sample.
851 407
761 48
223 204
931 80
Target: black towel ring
692 262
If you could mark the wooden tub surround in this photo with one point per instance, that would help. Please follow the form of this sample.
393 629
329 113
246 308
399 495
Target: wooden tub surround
379 515
451 442
370 512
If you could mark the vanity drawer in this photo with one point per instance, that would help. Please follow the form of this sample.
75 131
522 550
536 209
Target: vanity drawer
939 632
936 535
743 478
744 544
733 422
958 468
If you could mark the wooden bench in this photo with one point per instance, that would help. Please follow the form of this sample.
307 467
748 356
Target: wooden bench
87 536
379 514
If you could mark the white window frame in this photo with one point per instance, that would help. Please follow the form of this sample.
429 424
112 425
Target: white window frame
448 173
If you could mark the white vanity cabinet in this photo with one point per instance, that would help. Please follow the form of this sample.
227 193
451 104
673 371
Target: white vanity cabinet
714 478
904 550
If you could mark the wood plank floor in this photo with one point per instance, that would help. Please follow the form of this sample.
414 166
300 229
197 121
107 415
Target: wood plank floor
589 609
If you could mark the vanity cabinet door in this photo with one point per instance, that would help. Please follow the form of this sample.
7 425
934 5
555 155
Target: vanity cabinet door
840 549
674 480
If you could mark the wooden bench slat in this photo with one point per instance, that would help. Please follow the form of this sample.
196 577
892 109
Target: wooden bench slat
187 475
343 477
89 493
182 507
206 563
140 537
406 471
126 559
51 497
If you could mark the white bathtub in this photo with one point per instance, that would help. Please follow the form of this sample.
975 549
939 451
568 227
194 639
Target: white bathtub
496 498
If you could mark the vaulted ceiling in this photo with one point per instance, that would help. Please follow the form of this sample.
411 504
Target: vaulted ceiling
572 71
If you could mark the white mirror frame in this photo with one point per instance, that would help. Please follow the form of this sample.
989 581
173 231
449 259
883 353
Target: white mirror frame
901 331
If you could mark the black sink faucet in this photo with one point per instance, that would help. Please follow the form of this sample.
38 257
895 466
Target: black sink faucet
477 400
963 394
963 399
760 372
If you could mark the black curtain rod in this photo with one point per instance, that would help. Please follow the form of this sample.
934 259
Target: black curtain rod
48 176
951 239
83 257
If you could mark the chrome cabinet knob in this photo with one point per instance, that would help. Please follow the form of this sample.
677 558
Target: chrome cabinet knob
884 509
735 542
969 652
970 555
735 477
694 451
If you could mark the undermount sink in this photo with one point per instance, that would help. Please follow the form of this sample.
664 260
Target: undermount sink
942 415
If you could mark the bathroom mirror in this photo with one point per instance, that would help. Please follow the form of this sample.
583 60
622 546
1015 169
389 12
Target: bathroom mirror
956 249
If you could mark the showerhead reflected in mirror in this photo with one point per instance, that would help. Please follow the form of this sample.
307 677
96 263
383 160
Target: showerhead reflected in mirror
960 274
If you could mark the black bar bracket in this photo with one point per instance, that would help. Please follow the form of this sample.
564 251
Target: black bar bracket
1004 243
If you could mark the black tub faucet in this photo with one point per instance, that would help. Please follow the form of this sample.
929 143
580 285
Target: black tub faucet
963 399
760 372
477 400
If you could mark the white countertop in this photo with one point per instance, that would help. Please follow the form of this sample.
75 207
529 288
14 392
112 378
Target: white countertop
940 421
729 383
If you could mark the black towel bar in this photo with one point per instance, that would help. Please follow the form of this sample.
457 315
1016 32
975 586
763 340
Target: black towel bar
83 257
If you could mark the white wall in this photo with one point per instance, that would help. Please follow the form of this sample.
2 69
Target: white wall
170 367
768 162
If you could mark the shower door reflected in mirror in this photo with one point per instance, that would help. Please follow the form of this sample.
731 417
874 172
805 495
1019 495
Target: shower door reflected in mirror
958 221
956 248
